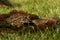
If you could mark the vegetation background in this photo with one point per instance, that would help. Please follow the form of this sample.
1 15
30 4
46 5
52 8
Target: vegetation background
42 8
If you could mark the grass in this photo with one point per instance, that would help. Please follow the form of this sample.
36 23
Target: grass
42 8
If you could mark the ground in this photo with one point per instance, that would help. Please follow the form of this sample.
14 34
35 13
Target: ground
42 8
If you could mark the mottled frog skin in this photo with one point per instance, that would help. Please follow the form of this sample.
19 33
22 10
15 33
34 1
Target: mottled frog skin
19 18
